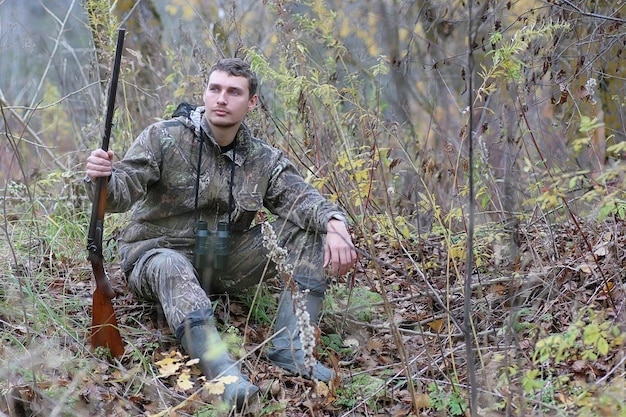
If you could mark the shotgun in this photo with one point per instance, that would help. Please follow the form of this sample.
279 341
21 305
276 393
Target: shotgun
104 329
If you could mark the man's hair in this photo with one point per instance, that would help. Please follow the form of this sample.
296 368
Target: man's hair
237 68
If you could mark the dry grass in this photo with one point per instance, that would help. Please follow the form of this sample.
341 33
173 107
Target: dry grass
48 368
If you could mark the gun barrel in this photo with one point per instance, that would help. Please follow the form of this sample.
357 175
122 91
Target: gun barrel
104 331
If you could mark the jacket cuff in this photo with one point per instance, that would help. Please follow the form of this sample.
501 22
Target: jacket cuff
336 216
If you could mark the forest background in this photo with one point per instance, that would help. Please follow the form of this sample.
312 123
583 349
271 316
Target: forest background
490 279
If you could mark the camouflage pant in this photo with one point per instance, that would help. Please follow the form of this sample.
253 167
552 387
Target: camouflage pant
168 276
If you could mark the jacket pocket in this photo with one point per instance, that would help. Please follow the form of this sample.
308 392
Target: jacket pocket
248 204
249 201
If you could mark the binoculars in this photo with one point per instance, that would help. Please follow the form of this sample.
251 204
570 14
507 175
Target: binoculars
216 243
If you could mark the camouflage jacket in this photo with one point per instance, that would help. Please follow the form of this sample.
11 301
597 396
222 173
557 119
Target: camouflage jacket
157 179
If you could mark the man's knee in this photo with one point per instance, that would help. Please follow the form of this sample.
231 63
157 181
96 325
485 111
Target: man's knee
169 262
168 277
315 283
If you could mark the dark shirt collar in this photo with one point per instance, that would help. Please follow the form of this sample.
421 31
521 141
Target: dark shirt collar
242 138
228 147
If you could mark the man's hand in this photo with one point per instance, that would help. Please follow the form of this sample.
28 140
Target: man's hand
99 164
339 251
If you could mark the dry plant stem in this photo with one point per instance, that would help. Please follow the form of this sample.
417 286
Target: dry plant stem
469 329
5 217
16 156
463 331
306 330
396 336
57 41
395 331
255 301
420 332
570 212
37 140
386 385
445 306
594 15
617 366
433 293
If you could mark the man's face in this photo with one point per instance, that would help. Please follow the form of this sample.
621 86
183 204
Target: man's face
227 100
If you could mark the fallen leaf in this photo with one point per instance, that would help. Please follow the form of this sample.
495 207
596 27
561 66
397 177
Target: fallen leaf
169 365
192 362
217 386
579 366
183 382
601 250
351 342
375 345
322 389
564 398
436 325
422 401
499 289
385 360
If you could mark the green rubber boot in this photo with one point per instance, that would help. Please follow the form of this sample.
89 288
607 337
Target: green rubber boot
287 349
201 340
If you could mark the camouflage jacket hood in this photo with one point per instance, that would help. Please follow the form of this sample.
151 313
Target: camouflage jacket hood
157 179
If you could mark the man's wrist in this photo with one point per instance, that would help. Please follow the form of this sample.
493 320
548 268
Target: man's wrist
337 217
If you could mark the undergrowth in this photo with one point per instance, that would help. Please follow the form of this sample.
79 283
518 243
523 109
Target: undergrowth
546 291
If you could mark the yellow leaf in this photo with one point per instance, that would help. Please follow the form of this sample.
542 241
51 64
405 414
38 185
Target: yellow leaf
603 346
322 389
499 289
184 381
171 354
216 386
436 325
169 365
120 377
423 401
563 398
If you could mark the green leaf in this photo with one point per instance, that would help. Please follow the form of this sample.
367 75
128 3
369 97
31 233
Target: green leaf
588 124
591 334
531 381
603 346
485 200
606 210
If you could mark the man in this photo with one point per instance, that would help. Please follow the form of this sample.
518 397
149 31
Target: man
205 166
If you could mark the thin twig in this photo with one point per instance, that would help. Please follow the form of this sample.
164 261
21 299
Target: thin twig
570 212
37 140
60 34
594 15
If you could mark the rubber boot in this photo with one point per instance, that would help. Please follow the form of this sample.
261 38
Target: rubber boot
287 347
201 340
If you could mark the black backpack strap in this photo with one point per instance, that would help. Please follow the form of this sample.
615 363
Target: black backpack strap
184 109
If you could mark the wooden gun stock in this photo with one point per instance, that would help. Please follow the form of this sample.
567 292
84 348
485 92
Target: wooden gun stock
104 329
